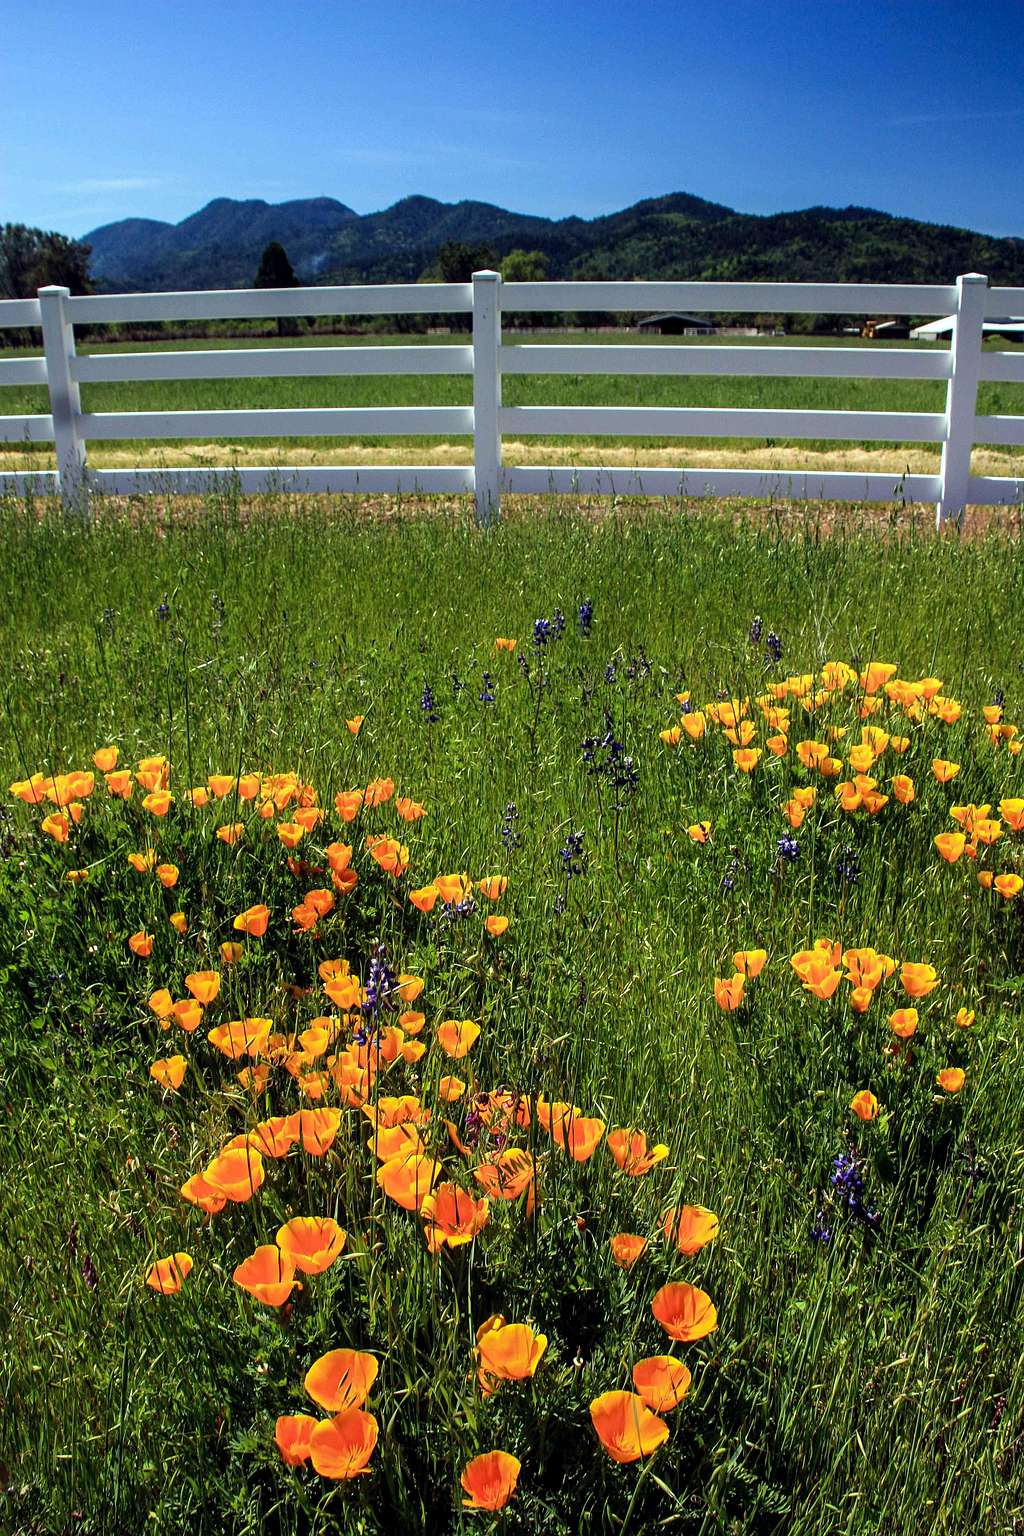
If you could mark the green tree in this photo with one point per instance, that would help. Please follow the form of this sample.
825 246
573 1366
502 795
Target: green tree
457 261
35 258
524 267
276 271
520 266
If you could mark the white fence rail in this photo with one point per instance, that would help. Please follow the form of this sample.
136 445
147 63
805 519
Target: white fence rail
957 429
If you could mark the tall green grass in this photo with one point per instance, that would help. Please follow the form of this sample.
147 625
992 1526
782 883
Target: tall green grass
870 1383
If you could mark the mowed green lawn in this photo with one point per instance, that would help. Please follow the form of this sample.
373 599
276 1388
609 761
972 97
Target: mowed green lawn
864 1373
606 390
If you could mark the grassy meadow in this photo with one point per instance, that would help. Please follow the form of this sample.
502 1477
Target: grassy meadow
672 771
517 389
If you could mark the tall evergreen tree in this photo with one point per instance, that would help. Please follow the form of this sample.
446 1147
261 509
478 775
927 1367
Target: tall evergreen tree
276 271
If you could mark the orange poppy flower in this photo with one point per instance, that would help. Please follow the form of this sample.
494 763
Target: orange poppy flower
729 991
240 1037
410 810
253 921
342 1446
1012 812
820 977
389 853
254 1078
950 845
120 785
875 674
746 758
317 1130
291 833
56 826
1008 886
197 1191
308 817
903 1022
232 833
161 1003
694 724
105 759
626 1248
167 874
304 917
631 1153
456 1037
203 985
689 1227
312 1243
453 1217
965 1017
274 1137
626 1427
179 922
392 1141
188 1013
169 1072
407 1179
158 802
236 1174
672 736
76 876
684 1312
378 792
943 770
450 1089
508 1175
918 980
864 1105
750 962
503 643
354 724
902 788
860 999
268 1274
167 1275
343 1378
510 1352
490 1480
292 1436
141 944
661 1381
951 1079
493 887
453 888
496 926
699 832
348 804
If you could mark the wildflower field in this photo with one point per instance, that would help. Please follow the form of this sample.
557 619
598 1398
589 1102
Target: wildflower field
512 1031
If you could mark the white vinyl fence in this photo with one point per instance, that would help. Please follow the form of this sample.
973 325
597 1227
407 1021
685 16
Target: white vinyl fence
488 358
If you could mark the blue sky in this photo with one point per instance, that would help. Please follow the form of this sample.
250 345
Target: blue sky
114 110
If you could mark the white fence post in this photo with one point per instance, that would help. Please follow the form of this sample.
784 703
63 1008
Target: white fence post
65 401
487 395
962 396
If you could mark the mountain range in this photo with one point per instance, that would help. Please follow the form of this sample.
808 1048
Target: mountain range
673 237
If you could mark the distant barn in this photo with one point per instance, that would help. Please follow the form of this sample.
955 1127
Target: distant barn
675 324
1010 328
